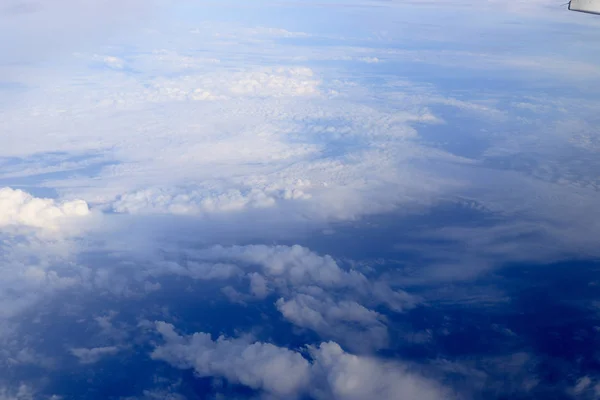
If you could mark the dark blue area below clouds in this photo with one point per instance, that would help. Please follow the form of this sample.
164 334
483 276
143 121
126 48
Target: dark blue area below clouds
548 312
518 331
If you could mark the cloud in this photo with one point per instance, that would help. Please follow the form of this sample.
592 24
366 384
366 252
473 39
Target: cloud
111 61
262 366
258 285
251 136
22 392
265 82
158 201
298 268
157 394
330 373
18 208
230 31
264 136
33 267
93 355
278 82
346 321
38 247
294 266
42 30
351 377
586 387
310 291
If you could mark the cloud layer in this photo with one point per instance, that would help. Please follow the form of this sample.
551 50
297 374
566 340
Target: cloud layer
312 187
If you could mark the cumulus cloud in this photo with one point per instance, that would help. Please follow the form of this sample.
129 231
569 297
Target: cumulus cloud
298 268
37 253
278 371
18 208
93 355
329 373
294 266
313 291
346 321
37 248
351 377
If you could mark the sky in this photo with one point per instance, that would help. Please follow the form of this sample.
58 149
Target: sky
344 199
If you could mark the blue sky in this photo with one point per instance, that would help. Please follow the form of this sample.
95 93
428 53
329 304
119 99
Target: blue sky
312 200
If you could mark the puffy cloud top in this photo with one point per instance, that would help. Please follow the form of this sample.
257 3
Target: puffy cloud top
263 366
18 208
313 291
297 265
331 373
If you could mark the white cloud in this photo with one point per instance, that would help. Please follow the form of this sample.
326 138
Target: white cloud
18 208
278 371
275 82
259 286
279 82
111 61
274 32
330 373
219 131
350 377
370 60
33 267
93 355
262 137
345 321
294 266
298 268
314 291
38 248
150 201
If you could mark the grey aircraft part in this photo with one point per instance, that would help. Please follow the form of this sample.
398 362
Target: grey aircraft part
586 6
